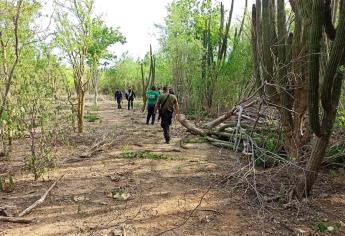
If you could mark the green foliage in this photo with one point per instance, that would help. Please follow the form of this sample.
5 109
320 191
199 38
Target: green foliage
184 50
340 148
235 74
42 158
321 227
325 227
102 37
340 120
271 144
126 73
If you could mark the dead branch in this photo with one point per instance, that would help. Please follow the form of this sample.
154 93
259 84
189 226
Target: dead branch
15 220
106 141
189 216
162 150
227 115
226 126
221 134
41 200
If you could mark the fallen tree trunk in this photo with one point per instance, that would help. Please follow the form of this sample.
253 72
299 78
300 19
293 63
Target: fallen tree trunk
18 220
190 126
233 135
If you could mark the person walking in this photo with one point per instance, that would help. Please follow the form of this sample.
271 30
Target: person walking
152 97
118 98
171 91
166 105
130 96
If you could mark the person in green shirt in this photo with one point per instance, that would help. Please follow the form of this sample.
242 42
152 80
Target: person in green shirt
152 98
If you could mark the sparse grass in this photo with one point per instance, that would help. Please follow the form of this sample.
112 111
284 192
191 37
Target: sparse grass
127 154
7 184
92 117
195 140
333 173
325 227
178 169
143 155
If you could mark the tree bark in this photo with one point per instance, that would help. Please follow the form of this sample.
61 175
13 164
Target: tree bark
80 111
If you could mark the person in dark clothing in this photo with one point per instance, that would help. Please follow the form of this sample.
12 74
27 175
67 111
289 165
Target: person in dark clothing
166 105
171 91
118 98
130 96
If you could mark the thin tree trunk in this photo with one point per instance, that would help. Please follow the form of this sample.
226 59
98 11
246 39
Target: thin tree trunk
81 97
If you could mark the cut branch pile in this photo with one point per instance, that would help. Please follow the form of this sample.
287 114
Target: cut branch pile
244 129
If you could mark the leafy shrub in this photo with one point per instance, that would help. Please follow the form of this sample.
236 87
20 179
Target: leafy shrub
40 163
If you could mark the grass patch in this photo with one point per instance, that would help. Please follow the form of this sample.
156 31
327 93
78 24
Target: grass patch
92 117
325 227
195 140
142 155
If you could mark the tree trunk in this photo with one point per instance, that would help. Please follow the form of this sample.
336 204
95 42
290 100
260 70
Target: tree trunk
80 113
96 95
331 92
95 78
308 178
243 19
314 65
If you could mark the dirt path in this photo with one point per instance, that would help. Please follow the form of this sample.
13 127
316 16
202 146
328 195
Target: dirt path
153 192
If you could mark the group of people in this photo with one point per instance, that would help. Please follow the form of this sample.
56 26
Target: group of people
163 101
129 95
166 103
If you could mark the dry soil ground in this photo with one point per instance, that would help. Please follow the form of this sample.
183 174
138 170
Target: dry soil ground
114 192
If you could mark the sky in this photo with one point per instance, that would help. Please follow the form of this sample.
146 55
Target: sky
136 20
